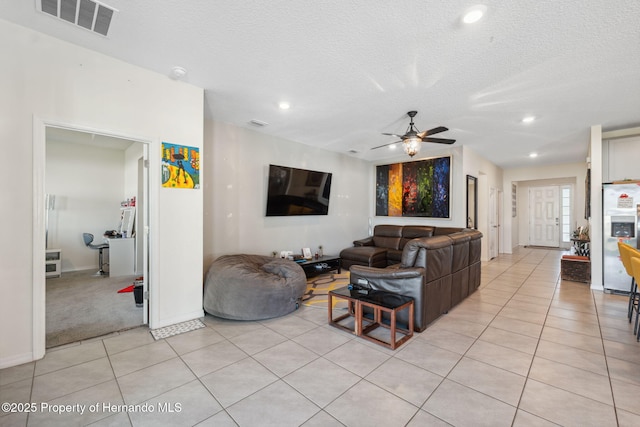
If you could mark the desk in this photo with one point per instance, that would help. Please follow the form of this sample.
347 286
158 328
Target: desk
122 257
53 263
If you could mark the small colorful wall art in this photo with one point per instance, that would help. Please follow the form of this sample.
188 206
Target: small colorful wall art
419 188
180 166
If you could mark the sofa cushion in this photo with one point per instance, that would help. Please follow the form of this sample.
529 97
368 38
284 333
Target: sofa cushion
475 245
443 231
364 255
431 253
387 236
460 250
394 256
410 232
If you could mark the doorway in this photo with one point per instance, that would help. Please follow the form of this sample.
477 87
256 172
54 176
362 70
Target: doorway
95 138
544 216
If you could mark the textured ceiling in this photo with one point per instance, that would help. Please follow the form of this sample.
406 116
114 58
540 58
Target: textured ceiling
352 69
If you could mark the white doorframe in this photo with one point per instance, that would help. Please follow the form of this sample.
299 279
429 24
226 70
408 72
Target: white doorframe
499 214
38 238
493 222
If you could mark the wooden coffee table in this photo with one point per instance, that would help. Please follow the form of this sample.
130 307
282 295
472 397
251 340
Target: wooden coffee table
380 302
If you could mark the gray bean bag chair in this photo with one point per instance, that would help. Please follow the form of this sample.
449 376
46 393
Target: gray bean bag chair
253 287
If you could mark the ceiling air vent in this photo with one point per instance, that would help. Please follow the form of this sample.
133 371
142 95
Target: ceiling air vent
91 15
258 123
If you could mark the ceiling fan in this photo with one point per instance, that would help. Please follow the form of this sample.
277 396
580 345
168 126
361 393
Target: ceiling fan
412 139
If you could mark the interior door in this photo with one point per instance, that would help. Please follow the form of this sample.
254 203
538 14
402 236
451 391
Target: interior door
493 223
544 216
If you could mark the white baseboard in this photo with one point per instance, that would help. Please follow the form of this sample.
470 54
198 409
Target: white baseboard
15 360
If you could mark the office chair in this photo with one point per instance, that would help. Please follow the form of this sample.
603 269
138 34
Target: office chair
88 241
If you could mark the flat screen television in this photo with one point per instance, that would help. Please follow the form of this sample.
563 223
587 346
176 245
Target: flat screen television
293 191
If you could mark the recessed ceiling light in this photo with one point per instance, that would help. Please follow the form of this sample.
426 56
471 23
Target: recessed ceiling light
284 105
528 119
474 14
393 146
533 155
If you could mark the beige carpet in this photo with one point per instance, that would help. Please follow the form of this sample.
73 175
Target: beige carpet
81 306
318 288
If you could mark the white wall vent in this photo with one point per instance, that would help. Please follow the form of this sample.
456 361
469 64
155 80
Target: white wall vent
89 14
258 123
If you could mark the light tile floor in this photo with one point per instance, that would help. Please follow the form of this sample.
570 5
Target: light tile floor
526 349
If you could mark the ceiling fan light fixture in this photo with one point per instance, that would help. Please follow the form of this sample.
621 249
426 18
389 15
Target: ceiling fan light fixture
412 139
411 145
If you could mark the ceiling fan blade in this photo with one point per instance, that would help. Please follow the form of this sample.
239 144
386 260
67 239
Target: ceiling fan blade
432 131
386 145
393 134
439 140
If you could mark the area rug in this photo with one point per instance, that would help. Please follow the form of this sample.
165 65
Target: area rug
545 247
318 288
178 328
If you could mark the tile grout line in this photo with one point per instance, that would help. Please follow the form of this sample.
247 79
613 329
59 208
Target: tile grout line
476 339
526 380
115 378
606 361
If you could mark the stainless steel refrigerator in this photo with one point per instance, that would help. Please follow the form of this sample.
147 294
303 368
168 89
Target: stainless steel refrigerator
621 208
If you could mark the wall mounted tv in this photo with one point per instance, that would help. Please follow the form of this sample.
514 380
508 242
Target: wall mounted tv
295 191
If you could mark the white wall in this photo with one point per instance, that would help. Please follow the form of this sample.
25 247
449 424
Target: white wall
133 180
489 176
595 222
131 156
515 229
235 195
47 81
464 162
457 209
87 182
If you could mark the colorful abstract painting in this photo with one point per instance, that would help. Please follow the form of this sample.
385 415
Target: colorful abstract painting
180 166
419 188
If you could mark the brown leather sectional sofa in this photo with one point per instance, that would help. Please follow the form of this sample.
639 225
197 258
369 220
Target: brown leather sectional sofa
438 269
385 247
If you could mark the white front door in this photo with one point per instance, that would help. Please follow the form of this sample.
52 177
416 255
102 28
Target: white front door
544 216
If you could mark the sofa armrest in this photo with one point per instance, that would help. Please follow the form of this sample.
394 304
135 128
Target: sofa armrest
373 274
364 242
